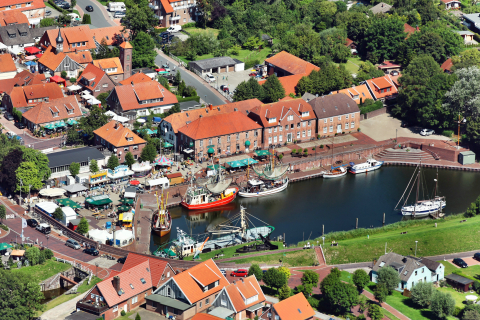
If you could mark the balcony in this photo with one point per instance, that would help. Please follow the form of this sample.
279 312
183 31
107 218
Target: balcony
153 6
92 306
175 18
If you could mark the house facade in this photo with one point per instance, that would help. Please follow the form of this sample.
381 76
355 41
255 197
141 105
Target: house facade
382 88
95 80
54 62
411 270
285 122
174 12
34 10
452 4
28 96
112 67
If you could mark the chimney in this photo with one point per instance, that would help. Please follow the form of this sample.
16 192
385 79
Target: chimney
132 83
116 125
242 280
116 283
211 107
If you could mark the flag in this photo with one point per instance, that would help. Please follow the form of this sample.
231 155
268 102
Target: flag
24 223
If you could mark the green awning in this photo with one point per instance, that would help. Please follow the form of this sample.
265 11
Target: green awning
151 131
68 203
215 167
123 208
167 301
236 164
72 122
60 124
4 246
98 200
50 126
262 153
190 144
249 161
247 143
167 145
126 201
210 150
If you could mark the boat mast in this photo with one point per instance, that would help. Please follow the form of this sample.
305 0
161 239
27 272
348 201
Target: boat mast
333 140
418 189
436 186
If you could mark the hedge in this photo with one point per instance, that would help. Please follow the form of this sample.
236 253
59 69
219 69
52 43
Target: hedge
375 106
181 99
58 8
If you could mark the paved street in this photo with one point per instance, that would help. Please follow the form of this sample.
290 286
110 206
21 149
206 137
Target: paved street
99 15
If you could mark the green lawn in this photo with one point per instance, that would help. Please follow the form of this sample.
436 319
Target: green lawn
201 30
458 296
243 55
449 268
351 67
292 259
44 271
227 252
346 276
360 248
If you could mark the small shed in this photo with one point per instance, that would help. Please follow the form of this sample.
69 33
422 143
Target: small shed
68 214
175 178
73 224
459 282
466 157
267 39
17 255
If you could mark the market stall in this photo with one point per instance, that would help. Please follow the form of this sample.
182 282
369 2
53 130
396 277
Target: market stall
101 201
141 169
52 192
119 174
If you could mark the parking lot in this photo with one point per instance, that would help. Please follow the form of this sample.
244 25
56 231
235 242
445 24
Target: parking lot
231 79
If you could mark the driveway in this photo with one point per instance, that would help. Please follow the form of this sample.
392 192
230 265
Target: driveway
385 127
100 17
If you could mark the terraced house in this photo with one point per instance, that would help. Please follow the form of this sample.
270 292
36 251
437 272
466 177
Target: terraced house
23 98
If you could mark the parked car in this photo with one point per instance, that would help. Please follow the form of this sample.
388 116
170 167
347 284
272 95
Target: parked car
252 74
459 262
223 272
48 12
72 244
32 223
427 132
477 256
44 228
164 34
209 77
65 5
8 116
89 8
122 260
239 273
224 88
166 67
174 29
119 14
20 125
92 251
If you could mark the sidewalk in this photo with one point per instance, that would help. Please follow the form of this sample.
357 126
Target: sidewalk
386 306
62 310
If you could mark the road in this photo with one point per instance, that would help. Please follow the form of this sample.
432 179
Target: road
99 19
190 80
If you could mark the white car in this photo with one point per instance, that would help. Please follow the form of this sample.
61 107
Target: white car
427 132
175 28
209 77
119 14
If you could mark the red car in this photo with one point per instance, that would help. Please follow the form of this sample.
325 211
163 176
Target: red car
239 273
253 74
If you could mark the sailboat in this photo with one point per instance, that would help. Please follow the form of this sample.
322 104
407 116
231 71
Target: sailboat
271 181
421 207
216 192
161 219
334 172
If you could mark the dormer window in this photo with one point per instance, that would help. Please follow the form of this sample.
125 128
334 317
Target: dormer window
251 300
55 114
305 114
129 138
272 120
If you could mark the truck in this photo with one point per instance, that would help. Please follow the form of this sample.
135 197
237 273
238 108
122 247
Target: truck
116 6
175 28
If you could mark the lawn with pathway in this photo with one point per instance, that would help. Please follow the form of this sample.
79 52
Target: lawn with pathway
229 252
44 271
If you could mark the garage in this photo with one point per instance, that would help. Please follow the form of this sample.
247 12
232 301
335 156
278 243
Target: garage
223 69
217 65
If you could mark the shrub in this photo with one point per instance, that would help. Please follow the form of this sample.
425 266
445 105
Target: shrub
249 64
389 277
422 293
73 80
123 313
322 146
360 279
375 312
280 156
255 270
313 302
442 305
63 74
4 227
447 133
361 317
374 106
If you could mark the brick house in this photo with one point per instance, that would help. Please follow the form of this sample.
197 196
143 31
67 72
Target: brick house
170 125
28 96
53 112
112 66
54 61
285 121
244 298
189 292
174 12
95 80
222 134
128 289
382 88
34 10
336 113
120 140
293 308
358 93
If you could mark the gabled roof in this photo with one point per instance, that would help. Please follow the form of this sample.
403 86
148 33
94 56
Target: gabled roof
448 1
207 64
126 45
27 78
243 289
157 266
349 42
129 95
50 59
6 85
404 265
107 33
288 82
204 316
294 308
192 289
128 279
82 57
271 115
20 95
447 65
116 134
356 93
381 8
72 35
180 119
109 63
388 65
166 6
333 105
93 74
381 83
44 111
6 63
409 29
35 4
136 78
12 17
291 63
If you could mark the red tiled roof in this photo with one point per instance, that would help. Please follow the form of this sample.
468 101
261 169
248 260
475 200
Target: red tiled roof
289 82
448 1
127 95
126 45
6 63
136 78
93 74
19 95
82 57
108 33
167 6
447 65
157 266
12 17
381 83
244 289
356 93
109 63
6 85
408 29
388 64
116 134
128 278
291 63
191 289
71 35
204 276
294 308
279 110
50 59
348 42
26 78
219 125
43 112
180 119
36 4
205 316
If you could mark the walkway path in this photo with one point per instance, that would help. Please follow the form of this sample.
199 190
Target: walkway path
259 254
62 310
387 307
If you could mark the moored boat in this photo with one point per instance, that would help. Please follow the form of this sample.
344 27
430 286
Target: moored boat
369 165
161 219
199 197
335 173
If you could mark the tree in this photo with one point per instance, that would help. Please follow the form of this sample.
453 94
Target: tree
39 159
341 6
471 315
86 19
462 98
20 296
177 79
250 89
285 271
74 168
102 97
149 152
139 19
274 278
388 276
3 212
137 317
33 255
471 210
58 213
129 160
273 89
113 162
73 137
143 51
48 254
94 166
46 22
63 74
422 293
285 292
442 304
339 295
28 177
64 19
468 58
255 270
83 226
252 43
380 292
306 289
360 279
8 169
96 119
375 312
310 277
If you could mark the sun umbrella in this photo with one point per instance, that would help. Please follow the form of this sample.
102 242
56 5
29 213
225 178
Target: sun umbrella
134 182
68 203
123 208
4 246
126 201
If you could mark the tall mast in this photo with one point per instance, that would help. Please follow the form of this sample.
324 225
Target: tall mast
333 140
418 189
436 186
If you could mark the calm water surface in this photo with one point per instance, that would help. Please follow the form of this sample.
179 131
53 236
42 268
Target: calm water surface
302 209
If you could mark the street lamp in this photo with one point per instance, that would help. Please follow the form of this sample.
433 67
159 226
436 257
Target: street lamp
459 123
47 236
416 241
21 185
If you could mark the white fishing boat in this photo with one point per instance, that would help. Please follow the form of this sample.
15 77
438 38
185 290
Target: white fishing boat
335 173
424 207
369 165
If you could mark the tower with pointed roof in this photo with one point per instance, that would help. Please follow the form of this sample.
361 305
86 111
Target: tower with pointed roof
59 41
126 51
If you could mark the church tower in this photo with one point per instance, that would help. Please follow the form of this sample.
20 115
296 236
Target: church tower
59 41
126 51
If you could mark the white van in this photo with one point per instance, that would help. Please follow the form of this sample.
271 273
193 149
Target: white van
116 6
174 29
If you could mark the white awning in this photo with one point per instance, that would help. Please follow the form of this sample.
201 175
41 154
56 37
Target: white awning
129 195
93 101
52 192
69 212
157 182
2 46
34 21
141 120
48 207
188 150
116 117
74 87
84 92
97 235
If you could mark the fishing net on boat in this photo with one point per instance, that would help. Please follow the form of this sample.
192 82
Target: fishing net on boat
219 187
276 173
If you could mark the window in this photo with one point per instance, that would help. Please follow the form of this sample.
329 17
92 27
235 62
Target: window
353 114
298 135
280 128
200 304
219 140
331 119
238 136
280 138
73 45
135 147
416 272
286 127
346 116
246 135
325 120
168 274
228 138
292 126
201 143
303 134
325 130
331 129
210 141
125 149
135 157
290 118
134 299
269 130
304 124
223 302
105 85
207 301
346 126
115 308
254 144
275 139
298 125
309 133
339 118
270 140
228 148
128 57
309 123
169 292
275 129
352 125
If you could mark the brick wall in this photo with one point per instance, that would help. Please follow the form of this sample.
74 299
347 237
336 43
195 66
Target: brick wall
296 130
372 114
100 87
331 124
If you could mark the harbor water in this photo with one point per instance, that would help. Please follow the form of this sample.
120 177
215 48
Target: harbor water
300 211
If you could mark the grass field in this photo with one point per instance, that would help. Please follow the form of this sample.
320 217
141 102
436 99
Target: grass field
360 248
201 30
227 252
458 296
44 271
449 268
242 55
292 259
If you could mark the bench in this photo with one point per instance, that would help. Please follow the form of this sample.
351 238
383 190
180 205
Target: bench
404 232
463 221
